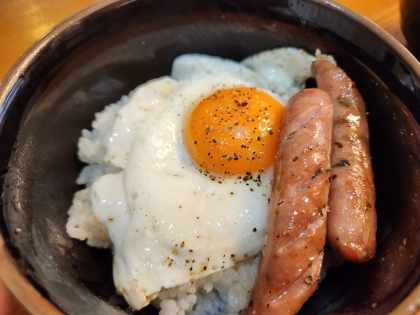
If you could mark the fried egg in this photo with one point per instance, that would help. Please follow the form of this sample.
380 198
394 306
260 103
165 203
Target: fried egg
195 152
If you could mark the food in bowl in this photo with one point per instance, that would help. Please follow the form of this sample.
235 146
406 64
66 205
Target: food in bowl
186 223
46 107
323 183
352 220
293 251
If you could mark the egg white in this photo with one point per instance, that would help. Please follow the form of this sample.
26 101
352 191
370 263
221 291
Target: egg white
168 221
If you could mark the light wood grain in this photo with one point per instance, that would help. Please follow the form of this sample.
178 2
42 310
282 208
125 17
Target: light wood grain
22 22
35 303
385 13
9 305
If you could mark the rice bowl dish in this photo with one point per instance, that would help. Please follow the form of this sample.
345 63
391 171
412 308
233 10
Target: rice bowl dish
196 231
45 109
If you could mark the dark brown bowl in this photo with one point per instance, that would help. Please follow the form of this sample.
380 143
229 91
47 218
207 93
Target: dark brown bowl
410 24
106 50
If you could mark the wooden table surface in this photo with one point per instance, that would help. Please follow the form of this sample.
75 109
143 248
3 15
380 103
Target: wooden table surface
22 22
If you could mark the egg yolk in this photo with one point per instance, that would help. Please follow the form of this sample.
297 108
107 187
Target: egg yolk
234 131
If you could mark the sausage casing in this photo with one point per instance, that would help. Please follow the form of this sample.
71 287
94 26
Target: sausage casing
290 265
351 227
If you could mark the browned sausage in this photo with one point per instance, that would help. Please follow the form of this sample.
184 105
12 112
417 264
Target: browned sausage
351 227
292 256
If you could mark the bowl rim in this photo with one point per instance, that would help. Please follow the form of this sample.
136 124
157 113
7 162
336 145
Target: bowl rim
10 272
29 297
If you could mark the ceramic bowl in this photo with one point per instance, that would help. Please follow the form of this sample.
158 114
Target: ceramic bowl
410 22
109 48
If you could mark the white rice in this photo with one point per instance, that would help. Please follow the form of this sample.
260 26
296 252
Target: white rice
224 292
82 224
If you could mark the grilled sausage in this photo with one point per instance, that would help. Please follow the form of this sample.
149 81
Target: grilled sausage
351 227
290 265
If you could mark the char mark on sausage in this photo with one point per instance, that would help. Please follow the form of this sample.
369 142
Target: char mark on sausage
351 227
291 261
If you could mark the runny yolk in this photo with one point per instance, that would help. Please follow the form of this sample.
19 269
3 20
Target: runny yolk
234 131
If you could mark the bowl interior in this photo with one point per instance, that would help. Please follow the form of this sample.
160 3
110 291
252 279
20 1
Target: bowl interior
125 43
